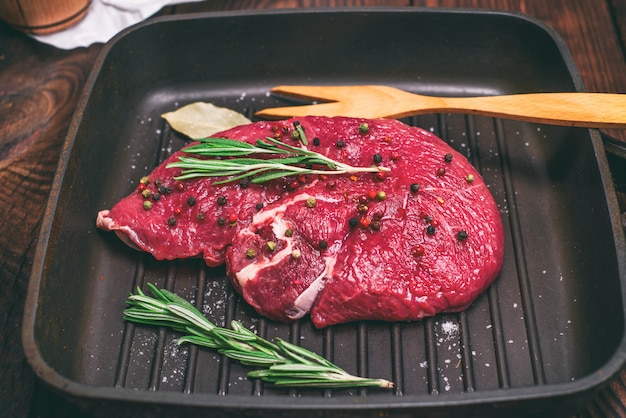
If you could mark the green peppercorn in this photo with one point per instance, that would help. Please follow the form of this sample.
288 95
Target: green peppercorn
381 195
311 202
146 193
147 205
289 232
469 178
364 128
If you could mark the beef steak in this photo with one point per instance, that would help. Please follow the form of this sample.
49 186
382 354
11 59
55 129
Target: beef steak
423 238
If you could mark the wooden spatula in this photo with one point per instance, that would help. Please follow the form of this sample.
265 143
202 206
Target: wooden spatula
592 110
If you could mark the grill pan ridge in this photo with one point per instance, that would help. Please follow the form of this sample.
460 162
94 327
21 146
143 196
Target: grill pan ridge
544 337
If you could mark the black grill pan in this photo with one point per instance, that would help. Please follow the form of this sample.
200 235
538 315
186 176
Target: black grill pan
542 339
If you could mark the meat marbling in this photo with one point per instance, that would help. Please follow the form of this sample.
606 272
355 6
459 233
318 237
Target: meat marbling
424 238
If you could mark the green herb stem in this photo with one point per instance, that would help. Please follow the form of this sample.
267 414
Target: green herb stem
281 362
231 158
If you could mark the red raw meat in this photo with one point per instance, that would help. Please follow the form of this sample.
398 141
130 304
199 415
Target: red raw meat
424 239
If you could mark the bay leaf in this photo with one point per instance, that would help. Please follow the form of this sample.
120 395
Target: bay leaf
201 120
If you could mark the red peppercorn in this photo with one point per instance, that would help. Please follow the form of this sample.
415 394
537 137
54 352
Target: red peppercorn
372 194
365 223
434 223
294 184
302 178
418 251
380 175
394 156
441 172
233 218
141 187
178 211
180 186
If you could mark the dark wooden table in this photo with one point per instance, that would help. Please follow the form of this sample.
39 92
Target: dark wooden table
39 89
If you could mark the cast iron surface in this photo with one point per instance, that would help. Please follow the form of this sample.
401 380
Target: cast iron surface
543 337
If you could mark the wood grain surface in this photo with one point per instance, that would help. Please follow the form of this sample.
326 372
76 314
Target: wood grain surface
39 90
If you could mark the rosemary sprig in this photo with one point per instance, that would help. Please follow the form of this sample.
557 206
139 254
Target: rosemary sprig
231 158
280 362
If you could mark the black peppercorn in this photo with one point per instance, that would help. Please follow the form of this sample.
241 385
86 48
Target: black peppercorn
316 141
430 230
340 144
415 188
377 158
462 235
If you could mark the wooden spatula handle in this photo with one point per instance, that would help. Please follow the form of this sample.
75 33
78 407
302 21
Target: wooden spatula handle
570 109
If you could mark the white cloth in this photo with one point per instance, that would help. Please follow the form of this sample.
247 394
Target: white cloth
105 19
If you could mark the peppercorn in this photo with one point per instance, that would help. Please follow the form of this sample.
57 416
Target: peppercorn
221 221
375 224
271 245
191 200
365 223
146 193
156 196
353 222
296 123
162 189
371 195
377 158
364 128
250 253
316 141
158 182
362 208
469 178
200 216
441 172
311 202
380 175
340 144
147 205
418 251
258 206
171 221
462 235
296 253
244 182
381 195
145 180
289 232
323 244
295 135
430 230
177 211
448 157
221 200
415 188
180 186
233 218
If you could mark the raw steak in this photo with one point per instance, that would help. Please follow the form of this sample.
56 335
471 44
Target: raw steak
424 238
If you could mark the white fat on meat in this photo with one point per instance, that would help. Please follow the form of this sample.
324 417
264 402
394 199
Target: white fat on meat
304 302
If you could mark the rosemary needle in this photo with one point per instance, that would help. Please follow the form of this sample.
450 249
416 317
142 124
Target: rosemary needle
230 157
279 362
